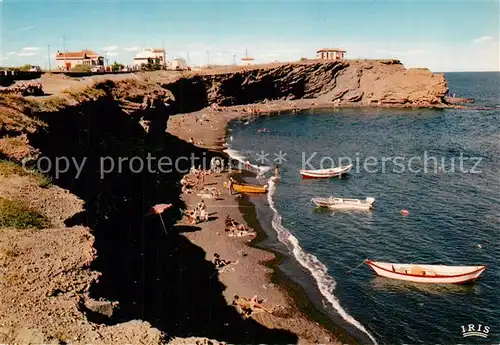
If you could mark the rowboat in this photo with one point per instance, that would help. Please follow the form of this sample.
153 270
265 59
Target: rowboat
247 188
341 203
430 274
326 173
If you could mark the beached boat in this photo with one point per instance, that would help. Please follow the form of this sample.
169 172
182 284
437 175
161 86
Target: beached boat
326 173
247 188
430 274
342 203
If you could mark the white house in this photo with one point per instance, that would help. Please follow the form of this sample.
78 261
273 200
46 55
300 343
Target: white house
177 64
150 55
68 60
330 54
247 61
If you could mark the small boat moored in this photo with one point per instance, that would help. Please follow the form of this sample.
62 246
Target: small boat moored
342 203
247 188
326 173
430 274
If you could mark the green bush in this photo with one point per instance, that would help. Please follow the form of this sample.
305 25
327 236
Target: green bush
14 214
81 68
8 169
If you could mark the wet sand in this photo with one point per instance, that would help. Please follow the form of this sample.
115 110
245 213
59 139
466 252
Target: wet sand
252 274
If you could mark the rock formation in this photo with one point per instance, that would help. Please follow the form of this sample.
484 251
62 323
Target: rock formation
356 83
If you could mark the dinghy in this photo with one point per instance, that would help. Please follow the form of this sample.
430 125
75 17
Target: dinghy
247 188
326 173
430 274
342 203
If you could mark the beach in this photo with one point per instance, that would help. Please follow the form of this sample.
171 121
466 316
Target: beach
250 275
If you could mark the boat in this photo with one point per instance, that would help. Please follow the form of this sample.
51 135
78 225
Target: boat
326 173
248 188
430 274
342 203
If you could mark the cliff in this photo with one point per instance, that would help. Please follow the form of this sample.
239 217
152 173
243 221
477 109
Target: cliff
338 83
54 287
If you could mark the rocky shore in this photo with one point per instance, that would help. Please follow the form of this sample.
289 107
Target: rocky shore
102 271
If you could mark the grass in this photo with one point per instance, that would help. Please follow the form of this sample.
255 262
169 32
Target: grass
8 169
14 214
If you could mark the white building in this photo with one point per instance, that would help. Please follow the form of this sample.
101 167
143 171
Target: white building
68 60
150 55
177 64
330 54
247 61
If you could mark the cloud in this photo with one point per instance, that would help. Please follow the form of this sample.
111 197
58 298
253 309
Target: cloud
112 53
11 53
30 48
131 49
26 28
26 54
110 48
483 39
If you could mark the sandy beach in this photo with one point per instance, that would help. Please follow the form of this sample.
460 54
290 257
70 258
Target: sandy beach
249 276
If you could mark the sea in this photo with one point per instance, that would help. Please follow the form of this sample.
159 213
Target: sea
440 165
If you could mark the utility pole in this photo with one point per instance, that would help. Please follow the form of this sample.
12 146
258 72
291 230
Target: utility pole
48 56
208 58
1 33
64 52
234 59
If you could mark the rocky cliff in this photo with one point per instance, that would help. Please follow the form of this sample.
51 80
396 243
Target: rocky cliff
348 83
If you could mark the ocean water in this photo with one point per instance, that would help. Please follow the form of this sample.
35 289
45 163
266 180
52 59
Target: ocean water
443 166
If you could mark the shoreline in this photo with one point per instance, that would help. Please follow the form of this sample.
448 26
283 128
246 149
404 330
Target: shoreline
297 298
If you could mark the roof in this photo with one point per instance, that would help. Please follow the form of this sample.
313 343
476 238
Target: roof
77 55
326 50
247 58
149 54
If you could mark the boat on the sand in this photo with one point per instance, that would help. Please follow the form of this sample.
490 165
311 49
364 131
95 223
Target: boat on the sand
430 274
326 173
248 188
343 203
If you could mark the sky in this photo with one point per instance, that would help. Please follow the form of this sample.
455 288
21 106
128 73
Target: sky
440 35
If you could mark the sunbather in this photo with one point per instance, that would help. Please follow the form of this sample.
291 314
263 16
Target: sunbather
218 262
247 306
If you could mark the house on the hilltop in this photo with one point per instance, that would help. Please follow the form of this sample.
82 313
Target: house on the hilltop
150 56
247 60
177 64
330 54
68 60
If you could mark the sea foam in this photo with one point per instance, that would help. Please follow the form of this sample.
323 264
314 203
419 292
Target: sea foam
318 270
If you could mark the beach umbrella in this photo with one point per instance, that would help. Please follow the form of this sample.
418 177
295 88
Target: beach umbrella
159 209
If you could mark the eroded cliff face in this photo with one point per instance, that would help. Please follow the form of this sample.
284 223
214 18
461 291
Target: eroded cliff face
356 82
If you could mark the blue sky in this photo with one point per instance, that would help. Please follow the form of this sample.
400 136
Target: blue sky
443 36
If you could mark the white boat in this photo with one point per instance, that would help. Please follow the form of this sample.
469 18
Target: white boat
342 203
326 173
430 274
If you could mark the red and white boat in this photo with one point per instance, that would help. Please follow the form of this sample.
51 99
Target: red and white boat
326 173
430 274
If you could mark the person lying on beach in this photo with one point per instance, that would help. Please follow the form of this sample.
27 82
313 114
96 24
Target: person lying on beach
193 216
220 263
247 306
232 225
186 190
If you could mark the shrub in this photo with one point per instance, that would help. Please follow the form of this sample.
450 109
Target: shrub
8 169
14 214
81 68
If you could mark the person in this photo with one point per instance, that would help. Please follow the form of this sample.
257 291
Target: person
203 211
230 185
191 141
218 262
276 171
247 165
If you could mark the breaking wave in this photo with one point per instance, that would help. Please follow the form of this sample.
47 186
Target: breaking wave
318 270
